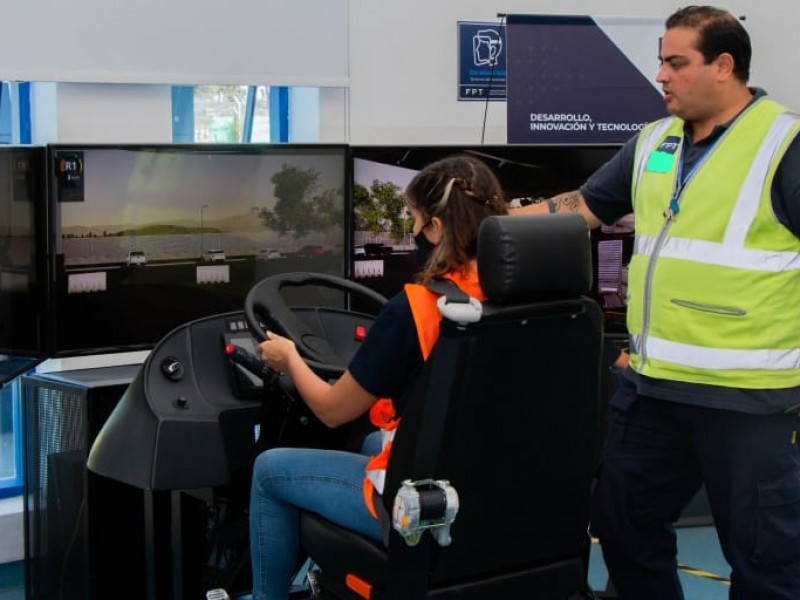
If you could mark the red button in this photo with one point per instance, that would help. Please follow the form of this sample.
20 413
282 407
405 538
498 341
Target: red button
361 333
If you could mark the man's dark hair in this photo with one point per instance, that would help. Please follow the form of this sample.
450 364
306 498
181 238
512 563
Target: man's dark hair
718 32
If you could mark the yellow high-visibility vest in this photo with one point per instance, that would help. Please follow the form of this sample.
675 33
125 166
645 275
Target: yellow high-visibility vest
714 281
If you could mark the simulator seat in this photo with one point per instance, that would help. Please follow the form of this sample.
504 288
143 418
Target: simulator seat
507 411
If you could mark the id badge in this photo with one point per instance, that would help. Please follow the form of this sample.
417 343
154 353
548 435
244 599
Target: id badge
660 162
662 159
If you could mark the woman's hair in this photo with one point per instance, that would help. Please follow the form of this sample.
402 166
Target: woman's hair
718 32
461 191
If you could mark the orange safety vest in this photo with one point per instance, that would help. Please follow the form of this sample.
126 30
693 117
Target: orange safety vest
382 414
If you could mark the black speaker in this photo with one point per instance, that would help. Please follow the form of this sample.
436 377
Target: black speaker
83 533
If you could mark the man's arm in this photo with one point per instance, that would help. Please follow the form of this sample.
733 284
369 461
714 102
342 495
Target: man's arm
567 202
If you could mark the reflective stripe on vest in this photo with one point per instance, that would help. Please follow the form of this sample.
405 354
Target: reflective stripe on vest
724 255
669 352
715 358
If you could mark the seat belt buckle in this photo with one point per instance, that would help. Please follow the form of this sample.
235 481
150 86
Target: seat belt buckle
460 312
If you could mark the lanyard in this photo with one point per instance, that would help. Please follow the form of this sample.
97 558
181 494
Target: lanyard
681 178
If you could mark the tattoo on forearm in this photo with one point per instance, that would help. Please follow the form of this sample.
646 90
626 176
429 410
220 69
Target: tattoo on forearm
568 201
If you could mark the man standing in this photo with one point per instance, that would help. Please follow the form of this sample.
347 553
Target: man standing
712 394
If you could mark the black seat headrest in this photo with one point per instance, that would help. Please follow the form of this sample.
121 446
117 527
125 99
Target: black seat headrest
534 257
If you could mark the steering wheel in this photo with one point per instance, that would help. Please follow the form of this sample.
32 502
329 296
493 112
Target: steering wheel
265 300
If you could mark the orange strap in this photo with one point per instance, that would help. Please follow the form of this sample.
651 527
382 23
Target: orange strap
426 316
377 462
383 415
468 281
358 585
369 497
380 460
423 304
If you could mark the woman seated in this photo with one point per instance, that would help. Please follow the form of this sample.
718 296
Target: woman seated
447 200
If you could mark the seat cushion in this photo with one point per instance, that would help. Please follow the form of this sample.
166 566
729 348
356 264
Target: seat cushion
339 550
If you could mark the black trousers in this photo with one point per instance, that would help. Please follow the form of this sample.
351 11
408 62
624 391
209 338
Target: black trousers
657 453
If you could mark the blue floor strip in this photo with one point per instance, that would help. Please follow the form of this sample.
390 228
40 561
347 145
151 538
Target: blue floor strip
12 574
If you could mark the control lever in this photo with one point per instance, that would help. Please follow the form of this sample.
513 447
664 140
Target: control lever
250 362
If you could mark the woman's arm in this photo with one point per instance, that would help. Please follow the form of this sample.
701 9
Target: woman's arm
335 404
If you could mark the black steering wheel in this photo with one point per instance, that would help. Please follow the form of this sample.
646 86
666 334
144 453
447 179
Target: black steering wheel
266 301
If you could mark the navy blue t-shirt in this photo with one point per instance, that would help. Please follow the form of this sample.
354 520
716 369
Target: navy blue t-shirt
389 360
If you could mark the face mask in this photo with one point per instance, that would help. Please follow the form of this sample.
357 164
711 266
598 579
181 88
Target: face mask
424 249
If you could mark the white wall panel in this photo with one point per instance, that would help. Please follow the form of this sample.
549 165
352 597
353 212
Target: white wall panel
403 62
389 67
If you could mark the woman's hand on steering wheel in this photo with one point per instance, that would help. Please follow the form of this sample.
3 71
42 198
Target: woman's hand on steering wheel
276 351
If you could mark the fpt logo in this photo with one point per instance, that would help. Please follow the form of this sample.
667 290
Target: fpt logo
487 46
481 61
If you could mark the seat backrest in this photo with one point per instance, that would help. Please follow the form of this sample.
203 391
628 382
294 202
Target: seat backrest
520 390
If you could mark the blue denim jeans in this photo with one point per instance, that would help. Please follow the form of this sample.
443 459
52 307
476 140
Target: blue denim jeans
287 480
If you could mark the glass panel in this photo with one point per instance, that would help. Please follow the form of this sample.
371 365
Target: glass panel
6 127
219 113
10 440
261 130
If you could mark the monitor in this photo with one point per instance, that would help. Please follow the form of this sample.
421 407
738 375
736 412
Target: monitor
383 246
380 174
148 237
23 281
613 249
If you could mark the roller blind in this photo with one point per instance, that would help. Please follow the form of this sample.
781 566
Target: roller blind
273 42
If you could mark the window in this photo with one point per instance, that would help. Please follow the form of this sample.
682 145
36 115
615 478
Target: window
15 113
10 440
5 113
222 114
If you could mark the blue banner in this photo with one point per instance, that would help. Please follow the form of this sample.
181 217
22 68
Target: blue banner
481 61
581 80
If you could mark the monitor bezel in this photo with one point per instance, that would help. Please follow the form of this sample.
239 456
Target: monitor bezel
39 293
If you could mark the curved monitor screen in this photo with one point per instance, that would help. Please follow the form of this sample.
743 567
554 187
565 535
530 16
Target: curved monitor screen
149 237
383 256
383 245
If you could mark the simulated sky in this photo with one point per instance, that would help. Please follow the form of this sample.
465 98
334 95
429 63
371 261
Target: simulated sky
135 187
